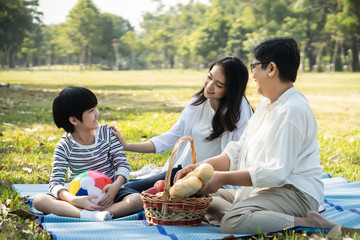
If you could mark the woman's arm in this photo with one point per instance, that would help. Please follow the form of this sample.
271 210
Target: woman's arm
222 175
220 163
221 178
145 147
165 141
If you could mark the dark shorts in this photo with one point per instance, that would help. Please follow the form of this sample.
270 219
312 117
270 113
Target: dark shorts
146 183
123 192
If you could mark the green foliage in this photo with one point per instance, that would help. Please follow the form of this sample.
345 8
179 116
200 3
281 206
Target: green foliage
187 35
143 104
16 18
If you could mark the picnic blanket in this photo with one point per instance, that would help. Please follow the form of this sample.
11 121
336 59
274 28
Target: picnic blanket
342 204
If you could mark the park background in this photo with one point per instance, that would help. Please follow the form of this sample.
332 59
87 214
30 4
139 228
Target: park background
144 78
185 35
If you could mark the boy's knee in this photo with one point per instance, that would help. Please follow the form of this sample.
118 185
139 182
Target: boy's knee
39 199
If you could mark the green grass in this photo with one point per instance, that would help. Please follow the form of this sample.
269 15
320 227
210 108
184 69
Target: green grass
142 104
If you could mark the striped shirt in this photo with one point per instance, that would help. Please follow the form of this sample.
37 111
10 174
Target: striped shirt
106 155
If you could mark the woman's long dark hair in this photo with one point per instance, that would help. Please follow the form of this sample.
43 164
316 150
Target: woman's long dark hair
228 112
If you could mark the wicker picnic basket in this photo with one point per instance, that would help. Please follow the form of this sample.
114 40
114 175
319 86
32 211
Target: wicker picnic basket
166 210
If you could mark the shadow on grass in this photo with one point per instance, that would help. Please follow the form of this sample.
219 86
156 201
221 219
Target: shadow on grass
56 87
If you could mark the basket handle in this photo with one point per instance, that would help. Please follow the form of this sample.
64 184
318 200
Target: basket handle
172 160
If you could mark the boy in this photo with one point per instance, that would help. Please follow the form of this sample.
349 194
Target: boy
86 146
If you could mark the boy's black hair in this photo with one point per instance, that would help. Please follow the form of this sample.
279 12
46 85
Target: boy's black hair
284 52
72 102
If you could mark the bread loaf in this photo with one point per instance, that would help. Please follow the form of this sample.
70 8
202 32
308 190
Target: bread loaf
204 171
193 181
186 187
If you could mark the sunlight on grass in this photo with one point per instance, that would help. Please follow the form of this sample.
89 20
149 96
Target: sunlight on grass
143 104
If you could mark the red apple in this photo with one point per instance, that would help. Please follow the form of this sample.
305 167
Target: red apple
152 190
160 184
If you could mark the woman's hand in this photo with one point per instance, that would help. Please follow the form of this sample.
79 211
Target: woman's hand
213 185
144 147
119 136
183 172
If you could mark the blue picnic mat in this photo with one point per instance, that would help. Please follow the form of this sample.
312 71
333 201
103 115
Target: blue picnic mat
342 204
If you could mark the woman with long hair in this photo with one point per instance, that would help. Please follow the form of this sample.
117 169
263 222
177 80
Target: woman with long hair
216 115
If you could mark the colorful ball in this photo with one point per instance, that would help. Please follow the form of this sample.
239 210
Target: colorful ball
89 183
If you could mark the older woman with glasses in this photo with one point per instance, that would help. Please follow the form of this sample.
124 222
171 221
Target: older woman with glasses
276 160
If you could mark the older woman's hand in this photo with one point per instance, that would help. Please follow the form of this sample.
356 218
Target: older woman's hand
183 172
213 185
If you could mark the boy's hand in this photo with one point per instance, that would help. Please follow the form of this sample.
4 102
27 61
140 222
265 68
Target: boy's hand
119 136
111 191
85 203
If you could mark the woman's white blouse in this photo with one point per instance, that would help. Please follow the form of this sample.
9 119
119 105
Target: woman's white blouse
184 127
279 146
201 130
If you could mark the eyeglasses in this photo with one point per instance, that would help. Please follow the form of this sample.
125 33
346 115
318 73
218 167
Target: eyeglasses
252 66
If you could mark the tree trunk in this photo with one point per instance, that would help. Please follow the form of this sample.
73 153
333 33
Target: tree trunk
89 60
302 59
318 56
171 61
9 57
2 61
344 60
49 61
82 56
117 58
355 54
336 49
312 59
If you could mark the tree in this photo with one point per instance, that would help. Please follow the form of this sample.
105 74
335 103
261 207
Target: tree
84 29
16 18
313 14
351 24
130 46
113 28
166 32
213 36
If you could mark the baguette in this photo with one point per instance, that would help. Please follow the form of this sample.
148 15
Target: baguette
204 171
193 181
186 187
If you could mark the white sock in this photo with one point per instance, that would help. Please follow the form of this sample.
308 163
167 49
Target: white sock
103 215
95 215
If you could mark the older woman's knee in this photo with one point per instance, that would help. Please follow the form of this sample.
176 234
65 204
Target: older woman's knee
233 224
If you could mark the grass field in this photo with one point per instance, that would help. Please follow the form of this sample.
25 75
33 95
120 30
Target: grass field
143 104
